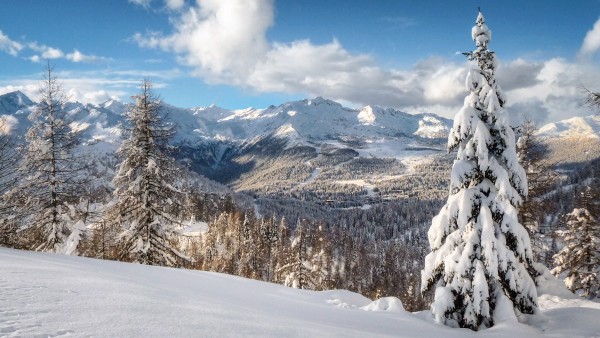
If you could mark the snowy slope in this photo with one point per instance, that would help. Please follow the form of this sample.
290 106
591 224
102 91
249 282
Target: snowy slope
52 295
574 141
588 126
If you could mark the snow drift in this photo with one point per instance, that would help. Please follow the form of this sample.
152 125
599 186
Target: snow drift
45 294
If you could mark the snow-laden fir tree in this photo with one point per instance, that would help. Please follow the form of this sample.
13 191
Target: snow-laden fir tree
480 254
145 191
579 260
50 173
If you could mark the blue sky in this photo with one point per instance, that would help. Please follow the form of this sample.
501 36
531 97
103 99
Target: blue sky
242 53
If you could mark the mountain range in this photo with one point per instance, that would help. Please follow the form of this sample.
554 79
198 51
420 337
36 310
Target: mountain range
299 121
311 151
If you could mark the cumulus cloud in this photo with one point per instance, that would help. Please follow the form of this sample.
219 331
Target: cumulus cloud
226 42
591 43
221 40
519 73
45 51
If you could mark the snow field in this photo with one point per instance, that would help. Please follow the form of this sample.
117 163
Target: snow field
45 294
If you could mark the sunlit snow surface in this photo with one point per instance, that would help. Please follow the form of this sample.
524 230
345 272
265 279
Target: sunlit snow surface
574 127
54 295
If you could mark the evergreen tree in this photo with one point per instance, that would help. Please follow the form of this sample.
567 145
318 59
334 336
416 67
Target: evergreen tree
479 251
8 164
268 239
540 180
579 259
249 260
50 172
210 247
321 259
297 268
282 252
145 191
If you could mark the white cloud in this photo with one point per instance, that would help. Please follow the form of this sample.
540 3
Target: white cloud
92 86
77 56
442 82
175 4
226 42
52 53
49 53
9 46
143 3
27 87
44 52
591 43
92 95
221 40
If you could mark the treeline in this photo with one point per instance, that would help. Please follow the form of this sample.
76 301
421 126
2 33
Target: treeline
311 255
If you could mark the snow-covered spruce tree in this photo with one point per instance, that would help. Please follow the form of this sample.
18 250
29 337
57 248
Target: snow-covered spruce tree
297 269
579 260
321 259
50 173
145 193
480 254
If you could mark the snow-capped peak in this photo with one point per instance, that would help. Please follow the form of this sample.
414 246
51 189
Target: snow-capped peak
114 106
319 100
297 121
588 126
13 101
